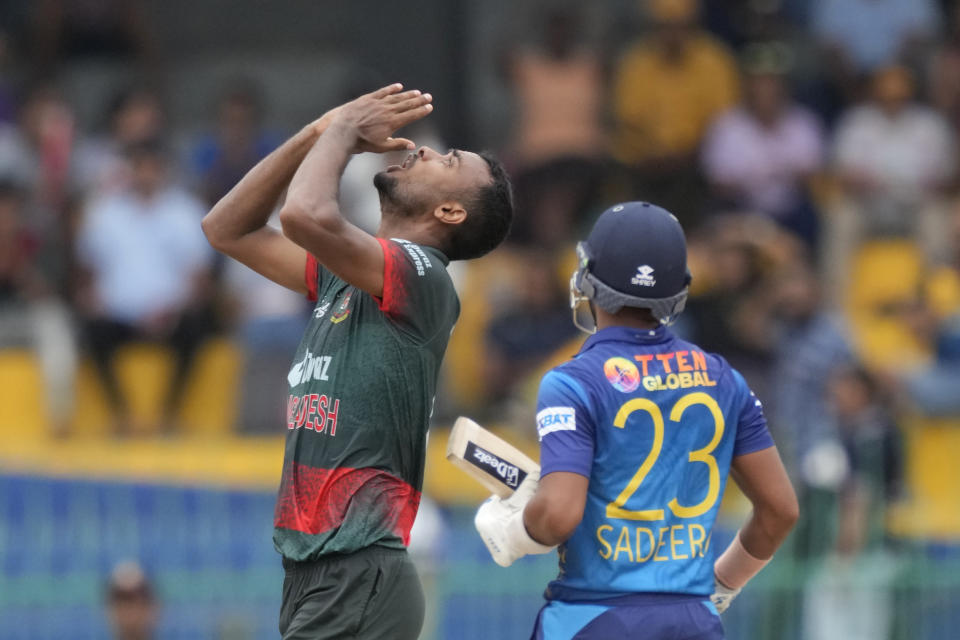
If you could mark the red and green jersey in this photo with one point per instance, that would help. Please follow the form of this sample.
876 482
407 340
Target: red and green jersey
361 393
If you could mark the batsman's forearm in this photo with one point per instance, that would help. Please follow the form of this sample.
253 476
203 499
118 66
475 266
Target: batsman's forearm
764 532
248 206
549 519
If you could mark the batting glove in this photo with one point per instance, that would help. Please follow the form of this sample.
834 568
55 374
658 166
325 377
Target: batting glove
722 595
500 525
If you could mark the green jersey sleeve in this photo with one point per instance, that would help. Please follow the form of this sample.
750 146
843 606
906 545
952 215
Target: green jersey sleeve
418 295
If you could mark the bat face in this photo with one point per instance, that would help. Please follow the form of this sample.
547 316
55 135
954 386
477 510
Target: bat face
491 460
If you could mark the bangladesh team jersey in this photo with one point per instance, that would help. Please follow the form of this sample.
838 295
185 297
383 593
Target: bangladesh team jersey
361 393
654 423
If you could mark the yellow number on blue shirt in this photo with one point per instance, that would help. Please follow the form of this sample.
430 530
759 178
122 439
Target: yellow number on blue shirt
616 508
701 455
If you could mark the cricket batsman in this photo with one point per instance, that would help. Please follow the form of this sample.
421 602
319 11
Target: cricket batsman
364 376
638 434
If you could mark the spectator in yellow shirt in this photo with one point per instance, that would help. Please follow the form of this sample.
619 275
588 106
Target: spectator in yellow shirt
667 90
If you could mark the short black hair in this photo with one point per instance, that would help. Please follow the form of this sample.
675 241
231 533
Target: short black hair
489 216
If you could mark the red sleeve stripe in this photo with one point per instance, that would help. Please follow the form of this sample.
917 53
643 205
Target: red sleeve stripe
311 276
387 300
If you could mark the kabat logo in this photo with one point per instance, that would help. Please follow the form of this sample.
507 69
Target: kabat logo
644 277
321 310
343 309
556 419
622 374
510 474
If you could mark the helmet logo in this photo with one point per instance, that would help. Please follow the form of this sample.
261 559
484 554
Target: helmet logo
644 277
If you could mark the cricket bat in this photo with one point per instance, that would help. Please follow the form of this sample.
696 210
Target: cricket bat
492 461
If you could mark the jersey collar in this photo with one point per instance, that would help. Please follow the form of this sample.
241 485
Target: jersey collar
629 334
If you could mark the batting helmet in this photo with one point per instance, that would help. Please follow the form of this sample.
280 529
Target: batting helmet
635 256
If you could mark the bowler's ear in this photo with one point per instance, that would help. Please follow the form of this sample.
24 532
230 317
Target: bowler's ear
451 212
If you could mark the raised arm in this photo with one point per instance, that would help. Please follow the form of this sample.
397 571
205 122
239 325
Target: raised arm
311 215
237 224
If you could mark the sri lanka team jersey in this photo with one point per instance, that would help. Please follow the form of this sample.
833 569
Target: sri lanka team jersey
654 423
361 392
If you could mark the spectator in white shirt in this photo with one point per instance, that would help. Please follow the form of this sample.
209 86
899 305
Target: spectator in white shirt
148 272
758 155
894 158
893 154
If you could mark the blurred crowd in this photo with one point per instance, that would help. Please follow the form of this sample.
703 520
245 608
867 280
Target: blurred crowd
809 149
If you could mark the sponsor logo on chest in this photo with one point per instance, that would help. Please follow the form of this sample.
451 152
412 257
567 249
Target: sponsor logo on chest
310 368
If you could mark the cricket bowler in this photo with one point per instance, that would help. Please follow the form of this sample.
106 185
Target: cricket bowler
638 433
364 376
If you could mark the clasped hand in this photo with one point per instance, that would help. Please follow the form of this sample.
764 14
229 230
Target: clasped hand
370 121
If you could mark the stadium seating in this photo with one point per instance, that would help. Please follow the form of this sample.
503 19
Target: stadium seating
209 406
22 403
886 276
932 508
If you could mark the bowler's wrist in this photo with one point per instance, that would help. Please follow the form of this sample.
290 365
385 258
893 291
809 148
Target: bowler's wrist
344 131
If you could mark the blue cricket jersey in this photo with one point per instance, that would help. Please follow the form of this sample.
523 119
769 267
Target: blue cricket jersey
653 422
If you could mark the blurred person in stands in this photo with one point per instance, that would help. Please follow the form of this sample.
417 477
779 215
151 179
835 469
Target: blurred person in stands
558 83
668 88
148 273
851 596
894 158
871 440
731 311
135 114
810 340
222 157
36 150
37 153
759 155
860 37
31 315
523 335
132 607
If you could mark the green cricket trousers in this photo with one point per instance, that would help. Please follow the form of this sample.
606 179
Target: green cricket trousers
371 594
